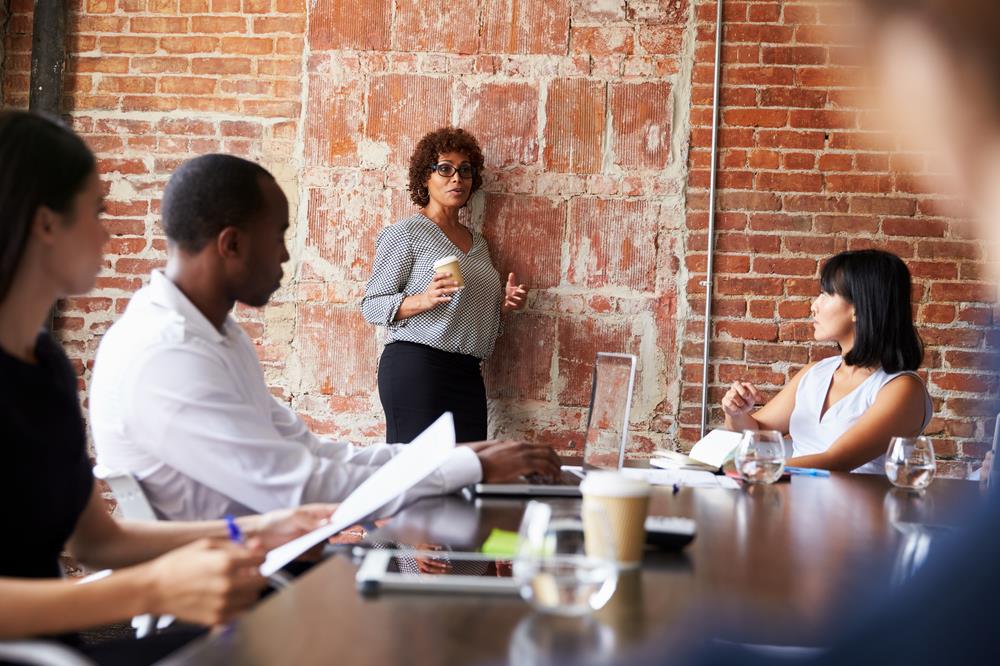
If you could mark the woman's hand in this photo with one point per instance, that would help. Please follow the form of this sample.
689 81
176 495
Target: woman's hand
740 399
277 527
206 582
515 295
438 291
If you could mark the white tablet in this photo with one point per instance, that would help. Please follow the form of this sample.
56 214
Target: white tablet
434 571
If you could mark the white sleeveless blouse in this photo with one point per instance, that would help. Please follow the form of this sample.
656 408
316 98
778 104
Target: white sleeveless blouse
812 434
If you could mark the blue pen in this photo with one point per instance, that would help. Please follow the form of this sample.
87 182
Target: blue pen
807 471
235 535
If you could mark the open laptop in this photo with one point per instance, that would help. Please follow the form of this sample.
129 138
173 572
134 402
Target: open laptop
606 435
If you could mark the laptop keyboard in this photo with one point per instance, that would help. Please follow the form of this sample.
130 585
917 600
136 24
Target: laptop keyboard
565 479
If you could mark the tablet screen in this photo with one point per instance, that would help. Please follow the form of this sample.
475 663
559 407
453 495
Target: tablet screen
448 564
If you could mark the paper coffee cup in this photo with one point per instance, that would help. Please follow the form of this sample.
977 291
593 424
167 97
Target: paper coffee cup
450 265
624 501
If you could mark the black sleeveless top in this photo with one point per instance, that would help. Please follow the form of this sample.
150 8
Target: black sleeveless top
46 475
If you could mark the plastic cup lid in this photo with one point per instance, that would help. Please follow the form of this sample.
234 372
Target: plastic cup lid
445 260
613 484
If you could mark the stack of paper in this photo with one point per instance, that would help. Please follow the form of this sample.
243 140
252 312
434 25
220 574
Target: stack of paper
403 471
682 477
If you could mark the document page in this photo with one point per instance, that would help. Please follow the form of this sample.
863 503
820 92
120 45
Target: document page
406 469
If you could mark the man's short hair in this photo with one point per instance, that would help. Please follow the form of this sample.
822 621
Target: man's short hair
207 194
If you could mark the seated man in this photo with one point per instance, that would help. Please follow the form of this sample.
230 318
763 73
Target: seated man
178 397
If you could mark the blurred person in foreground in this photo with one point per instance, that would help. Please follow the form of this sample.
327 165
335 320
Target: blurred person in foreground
937 70
51 247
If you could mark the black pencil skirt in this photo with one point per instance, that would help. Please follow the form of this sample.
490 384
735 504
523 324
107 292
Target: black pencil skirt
417 384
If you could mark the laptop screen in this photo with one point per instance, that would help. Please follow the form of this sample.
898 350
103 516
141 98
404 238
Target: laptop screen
610 405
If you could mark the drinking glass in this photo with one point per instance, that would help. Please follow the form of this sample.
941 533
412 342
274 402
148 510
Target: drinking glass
559 570
909 462
760 457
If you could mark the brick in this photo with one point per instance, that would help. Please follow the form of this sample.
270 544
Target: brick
402 108
610 242
671 12
189 44
967 383
789 182
221 65
219 24
640 122
248 45
168 25
512 224
504 117
574 129
772 266
975 292
579 341
271 24
602 40
342 227
512 26
776 353
434 27
332 138
119 44
662 40
755 117
126 84
745 330
187 85
341 345
159 65
972 407
363 25
520 368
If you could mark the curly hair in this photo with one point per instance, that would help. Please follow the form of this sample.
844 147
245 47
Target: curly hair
432 146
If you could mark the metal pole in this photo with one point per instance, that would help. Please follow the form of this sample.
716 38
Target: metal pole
48 56
48 62
710 277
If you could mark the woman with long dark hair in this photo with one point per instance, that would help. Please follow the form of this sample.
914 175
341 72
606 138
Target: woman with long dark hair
51 240
842 411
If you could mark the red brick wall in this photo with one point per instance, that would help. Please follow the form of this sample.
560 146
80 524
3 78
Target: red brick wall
807 171
594 117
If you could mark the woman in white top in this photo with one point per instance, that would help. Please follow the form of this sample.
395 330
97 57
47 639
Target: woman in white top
842 411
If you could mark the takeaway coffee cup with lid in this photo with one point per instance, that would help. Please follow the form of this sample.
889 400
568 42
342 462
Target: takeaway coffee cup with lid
450 265
625 501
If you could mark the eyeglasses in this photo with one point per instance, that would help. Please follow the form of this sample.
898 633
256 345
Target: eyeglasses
465 171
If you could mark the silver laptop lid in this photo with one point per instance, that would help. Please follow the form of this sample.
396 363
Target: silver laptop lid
610 407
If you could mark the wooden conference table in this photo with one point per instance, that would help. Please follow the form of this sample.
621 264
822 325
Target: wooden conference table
769 565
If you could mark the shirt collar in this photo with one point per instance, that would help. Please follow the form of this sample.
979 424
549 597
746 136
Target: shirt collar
166 294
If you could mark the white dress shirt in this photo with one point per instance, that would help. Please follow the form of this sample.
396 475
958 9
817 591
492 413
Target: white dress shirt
184 407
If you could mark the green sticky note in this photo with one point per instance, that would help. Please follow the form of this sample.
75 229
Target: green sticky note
500 543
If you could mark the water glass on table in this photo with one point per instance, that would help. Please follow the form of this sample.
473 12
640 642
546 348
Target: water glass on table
910 463
558 568
760 457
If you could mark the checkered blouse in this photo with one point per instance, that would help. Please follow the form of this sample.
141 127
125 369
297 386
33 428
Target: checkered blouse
405 253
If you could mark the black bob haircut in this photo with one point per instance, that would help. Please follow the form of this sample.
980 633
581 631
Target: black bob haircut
878 285
42 163
207 194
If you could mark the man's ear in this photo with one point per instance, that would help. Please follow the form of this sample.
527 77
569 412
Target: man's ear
229 243
43 227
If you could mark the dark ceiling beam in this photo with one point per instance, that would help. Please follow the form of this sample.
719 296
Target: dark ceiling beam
48 56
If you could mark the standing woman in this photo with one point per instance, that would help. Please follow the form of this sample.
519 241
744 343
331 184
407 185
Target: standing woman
842 411
438 329
51 240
